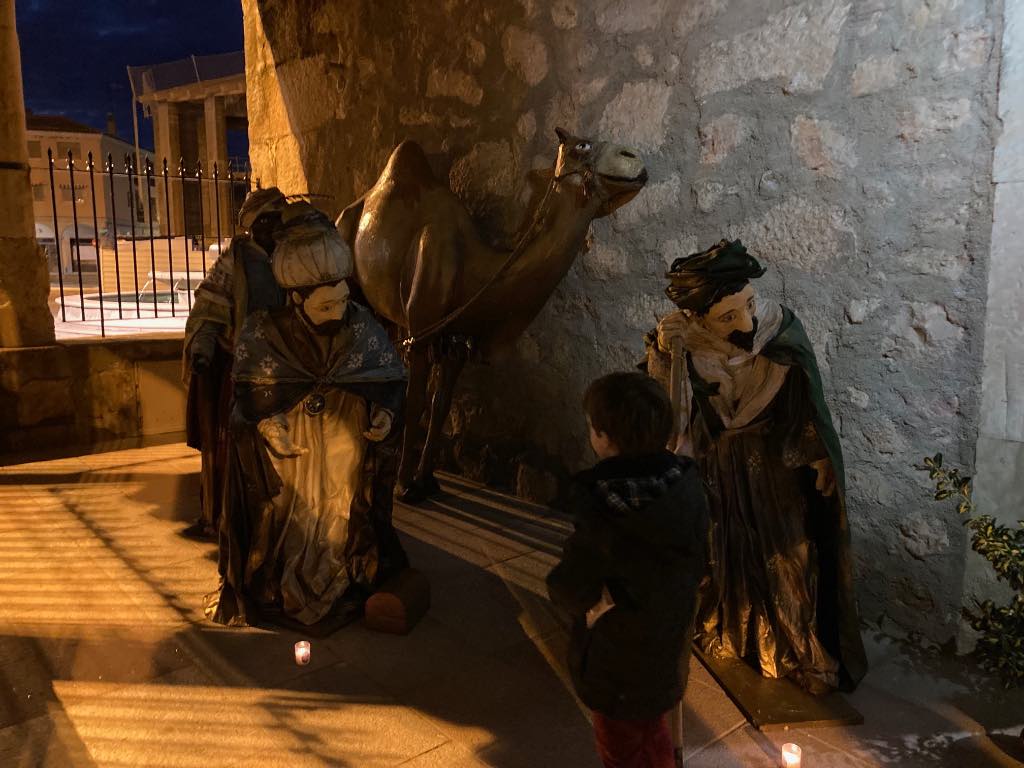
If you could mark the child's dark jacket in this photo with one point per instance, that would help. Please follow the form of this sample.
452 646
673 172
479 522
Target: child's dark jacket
632 664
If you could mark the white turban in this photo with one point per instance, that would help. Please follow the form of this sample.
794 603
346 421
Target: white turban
310 253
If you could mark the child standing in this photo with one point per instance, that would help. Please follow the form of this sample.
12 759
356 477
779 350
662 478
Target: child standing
629 573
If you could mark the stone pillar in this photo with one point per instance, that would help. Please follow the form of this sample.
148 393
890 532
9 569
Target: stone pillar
1000 453
25 318
167 137
217 152
1001 443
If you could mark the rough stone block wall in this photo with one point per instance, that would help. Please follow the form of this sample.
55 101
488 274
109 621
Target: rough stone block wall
849 144
75 394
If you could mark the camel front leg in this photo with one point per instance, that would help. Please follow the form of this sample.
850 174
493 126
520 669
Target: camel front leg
449 368
415 404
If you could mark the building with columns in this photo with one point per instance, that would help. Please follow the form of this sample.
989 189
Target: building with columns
194 103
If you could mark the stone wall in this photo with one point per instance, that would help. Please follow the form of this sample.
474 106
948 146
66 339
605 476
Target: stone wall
849 144
88 393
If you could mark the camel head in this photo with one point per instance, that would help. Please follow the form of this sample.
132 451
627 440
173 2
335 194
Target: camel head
610 173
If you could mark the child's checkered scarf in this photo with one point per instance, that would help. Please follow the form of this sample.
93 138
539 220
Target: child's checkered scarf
629 494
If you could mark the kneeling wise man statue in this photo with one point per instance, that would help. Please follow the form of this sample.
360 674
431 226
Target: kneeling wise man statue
307 535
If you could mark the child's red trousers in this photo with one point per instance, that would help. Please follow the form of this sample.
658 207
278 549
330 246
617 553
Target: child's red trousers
634 743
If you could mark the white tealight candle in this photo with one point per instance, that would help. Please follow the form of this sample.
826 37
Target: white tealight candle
302 656
791 756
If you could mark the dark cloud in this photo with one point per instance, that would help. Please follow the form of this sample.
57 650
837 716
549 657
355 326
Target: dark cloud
75 54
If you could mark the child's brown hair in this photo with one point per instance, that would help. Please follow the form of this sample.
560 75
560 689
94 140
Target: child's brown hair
632 409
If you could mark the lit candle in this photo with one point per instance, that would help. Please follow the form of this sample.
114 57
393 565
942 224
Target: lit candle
302 657
791 756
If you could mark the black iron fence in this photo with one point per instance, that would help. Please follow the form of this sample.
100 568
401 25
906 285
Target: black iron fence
148 234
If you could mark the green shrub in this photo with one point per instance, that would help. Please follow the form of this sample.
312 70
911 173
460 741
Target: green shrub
1001 645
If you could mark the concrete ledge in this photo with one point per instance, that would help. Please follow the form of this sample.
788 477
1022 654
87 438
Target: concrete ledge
86 392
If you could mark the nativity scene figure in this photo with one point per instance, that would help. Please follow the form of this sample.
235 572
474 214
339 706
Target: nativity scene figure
239 282
307 535
425 269
752 413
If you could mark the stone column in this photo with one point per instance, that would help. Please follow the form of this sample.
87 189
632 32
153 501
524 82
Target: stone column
1000 457
25 318
217 152
167 137
1000 454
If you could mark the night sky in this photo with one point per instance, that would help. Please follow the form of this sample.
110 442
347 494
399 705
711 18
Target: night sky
75 53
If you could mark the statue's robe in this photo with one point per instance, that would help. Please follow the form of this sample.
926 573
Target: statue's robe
240 281
780 588
310 536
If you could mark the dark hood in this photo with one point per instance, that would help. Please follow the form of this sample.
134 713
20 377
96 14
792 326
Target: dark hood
666 523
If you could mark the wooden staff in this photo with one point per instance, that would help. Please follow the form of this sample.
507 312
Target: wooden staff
676 393
677 733
675 379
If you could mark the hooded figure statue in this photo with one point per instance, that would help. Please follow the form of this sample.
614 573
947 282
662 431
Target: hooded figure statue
753 414
239 282
307 533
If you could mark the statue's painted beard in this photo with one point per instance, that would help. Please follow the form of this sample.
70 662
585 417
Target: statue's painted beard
326 328
744 340
329 328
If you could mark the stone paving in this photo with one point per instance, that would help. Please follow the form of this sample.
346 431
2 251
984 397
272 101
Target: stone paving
106 660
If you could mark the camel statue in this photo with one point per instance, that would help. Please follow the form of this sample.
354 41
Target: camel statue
421 265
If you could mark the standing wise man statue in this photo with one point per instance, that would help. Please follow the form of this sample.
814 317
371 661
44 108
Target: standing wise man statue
307 533
239 282
753 415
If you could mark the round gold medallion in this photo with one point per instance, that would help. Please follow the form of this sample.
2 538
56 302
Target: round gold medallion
314 404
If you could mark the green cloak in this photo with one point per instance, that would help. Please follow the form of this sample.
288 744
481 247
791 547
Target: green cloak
838 620
792 347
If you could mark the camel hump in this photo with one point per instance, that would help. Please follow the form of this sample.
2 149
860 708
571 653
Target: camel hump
347 223
408 166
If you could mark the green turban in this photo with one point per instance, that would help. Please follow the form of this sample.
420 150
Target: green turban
699 280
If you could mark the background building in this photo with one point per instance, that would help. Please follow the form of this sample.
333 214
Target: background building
196 104
119 205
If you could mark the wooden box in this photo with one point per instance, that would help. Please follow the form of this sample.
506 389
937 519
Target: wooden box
399 604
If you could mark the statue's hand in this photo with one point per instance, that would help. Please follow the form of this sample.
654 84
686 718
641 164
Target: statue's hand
380 424
201 350
826 482
671 327
275 433
199 362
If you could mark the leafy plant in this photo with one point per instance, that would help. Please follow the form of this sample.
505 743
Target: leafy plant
1001 645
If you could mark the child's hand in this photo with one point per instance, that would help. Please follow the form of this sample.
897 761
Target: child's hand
600 608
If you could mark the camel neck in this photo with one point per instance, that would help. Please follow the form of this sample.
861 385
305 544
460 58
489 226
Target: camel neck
543 260
551 248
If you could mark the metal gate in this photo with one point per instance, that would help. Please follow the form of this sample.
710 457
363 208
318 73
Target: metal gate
135 242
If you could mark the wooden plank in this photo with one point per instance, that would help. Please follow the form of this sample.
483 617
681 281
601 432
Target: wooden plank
777 704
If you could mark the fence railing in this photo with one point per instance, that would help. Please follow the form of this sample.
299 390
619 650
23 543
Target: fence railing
144 233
